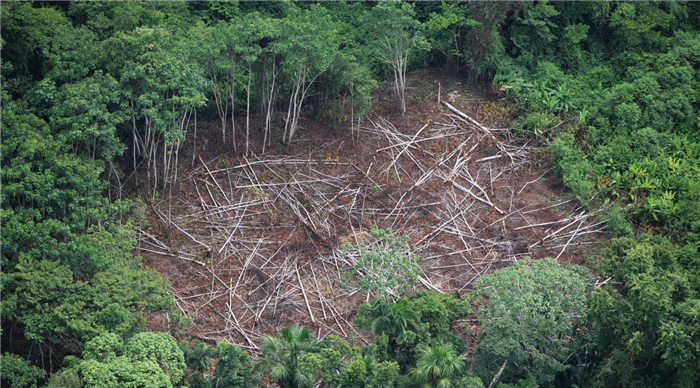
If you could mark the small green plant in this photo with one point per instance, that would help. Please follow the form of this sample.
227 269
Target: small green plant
385 263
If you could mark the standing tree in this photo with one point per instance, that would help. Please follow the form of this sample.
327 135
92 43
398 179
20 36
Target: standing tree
251 32
447 32
209 49
146 360
438 366
162 86
528 324
310 47
281 355
269 59
394 32
233 368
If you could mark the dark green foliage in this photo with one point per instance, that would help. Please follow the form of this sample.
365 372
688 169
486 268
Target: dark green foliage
233 368
296 359
86 113
28 33
447 31
198 355
427 318
281 355
106 19
634 142
398 321
65 378
45 300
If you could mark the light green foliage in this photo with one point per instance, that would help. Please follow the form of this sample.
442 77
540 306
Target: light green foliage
122 372
573 167
155 75
133 288
528 320
162 86
149 360
385 263
160 348
103 348
18 373
536 123
308 46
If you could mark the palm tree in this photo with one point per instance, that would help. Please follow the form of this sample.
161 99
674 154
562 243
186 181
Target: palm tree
281 355
394 319
438 366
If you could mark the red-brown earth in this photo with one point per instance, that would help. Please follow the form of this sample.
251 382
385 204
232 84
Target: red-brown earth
252 244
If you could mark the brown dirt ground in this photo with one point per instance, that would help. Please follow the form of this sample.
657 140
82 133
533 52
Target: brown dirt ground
268 227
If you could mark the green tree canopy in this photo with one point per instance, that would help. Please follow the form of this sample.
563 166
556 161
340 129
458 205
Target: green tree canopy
528 320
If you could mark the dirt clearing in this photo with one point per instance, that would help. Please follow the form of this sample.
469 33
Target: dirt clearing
253 244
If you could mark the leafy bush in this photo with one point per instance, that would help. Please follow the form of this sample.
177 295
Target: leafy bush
386 264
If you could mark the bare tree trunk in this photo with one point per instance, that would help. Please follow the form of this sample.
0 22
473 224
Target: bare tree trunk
296 102
269 101
247 118
233 105
288 128
221 105
398 61
498 375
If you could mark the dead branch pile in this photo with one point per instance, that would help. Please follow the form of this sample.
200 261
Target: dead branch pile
256 245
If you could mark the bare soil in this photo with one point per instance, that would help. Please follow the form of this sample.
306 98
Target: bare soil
251 244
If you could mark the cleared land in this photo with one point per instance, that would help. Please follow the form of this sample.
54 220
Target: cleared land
253 244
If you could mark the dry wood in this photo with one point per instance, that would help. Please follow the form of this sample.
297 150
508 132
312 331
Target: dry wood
470 120
276 222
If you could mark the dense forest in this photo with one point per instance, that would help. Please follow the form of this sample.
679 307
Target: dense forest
101 104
